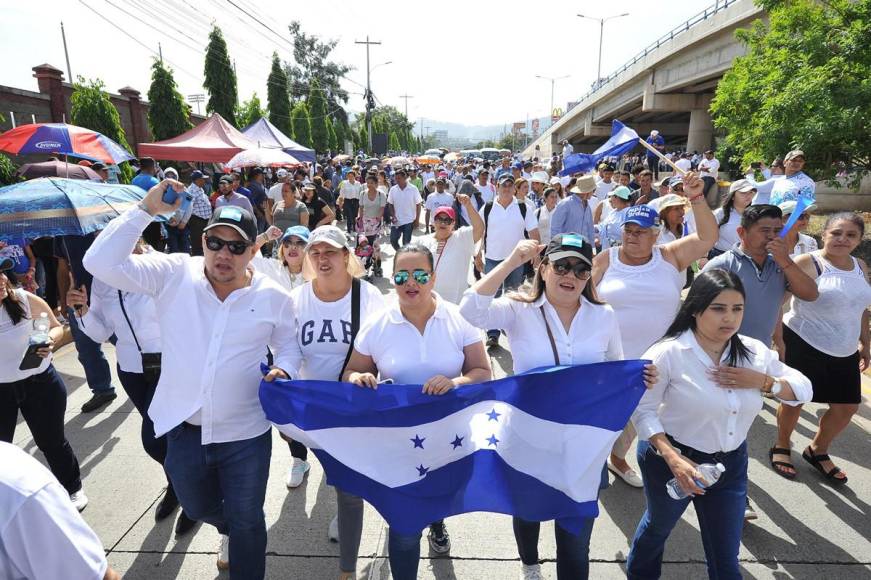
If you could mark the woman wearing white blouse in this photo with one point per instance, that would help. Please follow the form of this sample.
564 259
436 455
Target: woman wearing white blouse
419 339
700 412
287 269
560 322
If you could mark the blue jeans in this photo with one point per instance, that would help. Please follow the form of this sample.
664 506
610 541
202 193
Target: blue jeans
404 231
512 282
720 512
403 551
91 357
224 484
572 550
178 240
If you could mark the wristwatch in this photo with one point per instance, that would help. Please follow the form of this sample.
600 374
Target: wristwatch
776 388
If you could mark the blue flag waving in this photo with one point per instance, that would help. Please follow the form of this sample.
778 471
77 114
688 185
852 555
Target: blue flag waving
530 445
623 139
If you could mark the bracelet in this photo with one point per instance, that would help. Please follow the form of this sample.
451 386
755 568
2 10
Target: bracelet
767 384
699 196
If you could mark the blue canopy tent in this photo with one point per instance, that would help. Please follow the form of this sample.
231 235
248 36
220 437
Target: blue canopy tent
267 135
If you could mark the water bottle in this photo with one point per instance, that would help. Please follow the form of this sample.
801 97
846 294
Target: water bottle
709 471
40 330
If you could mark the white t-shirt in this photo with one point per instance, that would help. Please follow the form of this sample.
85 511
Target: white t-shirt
729 230
274 269
684 164
274 192
453 264
324 328
41 533
404 203
406 356
603 189
712 165
436 200
488 192
505 227
805 245
350 190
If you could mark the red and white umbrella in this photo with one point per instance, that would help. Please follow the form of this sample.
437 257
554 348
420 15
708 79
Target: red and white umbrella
261 158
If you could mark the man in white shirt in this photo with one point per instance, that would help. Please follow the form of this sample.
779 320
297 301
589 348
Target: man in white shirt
506 222
217 319
604 185
709 167
427 174
567 148
42 534
273 195
405 200
488 192
349 200
436 200
684 162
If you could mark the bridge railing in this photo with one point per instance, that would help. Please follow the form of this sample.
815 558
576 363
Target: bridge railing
718 6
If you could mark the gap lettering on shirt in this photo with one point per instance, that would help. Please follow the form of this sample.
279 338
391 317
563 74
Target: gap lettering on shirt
326 333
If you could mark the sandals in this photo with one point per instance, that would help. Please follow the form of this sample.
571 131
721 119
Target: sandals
778 466
816 460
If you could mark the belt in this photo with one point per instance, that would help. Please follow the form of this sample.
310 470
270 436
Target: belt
691 453
191 425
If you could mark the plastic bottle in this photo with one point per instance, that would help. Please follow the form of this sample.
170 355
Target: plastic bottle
40 330
710 472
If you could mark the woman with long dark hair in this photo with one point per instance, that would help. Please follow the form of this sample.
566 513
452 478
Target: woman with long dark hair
559 321
728 215
710 387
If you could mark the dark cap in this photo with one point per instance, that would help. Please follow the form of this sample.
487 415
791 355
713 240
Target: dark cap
197 174
506 177
238 218
98 166
225 179
256 171
569 245
401 171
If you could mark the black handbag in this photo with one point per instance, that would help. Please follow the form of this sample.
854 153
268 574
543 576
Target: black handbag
150 360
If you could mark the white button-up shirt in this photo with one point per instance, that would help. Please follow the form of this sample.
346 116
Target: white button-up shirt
593 335
688 405
212 349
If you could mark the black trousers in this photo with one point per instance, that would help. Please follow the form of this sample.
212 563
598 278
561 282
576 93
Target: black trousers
140 390
196 225
42 400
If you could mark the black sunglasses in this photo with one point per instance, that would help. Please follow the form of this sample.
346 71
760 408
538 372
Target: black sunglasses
444 219
237 248
579 269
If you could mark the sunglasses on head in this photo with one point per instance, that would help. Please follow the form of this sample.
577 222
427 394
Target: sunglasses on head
420 276
580 269
237 248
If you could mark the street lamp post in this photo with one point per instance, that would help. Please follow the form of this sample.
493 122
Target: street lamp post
601 22
553 81
369 100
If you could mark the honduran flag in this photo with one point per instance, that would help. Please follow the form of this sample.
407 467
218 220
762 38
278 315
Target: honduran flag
531 445
623 140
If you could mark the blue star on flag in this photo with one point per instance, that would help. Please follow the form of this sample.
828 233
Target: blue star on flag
492 415
492 440
421 470
418 441
457 442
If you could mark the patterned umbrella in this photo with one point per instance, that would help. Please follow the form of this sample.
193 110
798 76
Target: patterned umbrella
57 168
54 206
62 139
264 157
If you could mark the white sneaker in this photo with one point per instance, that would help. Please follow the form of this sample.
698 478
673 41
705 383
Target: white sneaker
79 499
333 532
531 572
629 476
224 553
297 472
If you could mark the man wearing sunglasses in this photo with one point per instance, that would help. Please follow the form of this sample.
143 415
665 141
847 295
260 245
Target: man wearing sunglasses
217 318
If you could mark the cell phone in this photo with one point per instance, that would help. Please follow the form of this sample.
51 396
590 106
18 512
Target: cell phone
170 195
756 165
32 360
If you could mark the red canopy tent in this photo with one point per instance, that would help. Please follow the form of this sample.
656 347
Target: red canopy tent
214 141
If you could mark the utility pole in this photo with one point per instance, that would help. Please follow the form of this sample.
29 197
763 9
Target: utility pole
66 52
160 52
601 22
369 99
406 97
552 83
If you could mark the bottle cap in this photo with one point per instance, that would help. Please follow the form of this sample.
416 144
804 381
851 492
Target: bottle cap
720 468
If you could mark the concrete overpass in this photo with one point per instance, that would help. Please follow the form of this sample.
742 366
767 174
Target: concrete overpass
668 86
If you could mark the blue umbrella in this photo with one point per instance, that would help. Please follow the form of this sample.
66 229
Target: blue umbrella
54 206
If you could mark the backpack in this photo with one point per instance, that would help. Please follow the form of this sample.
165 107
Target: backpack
488 207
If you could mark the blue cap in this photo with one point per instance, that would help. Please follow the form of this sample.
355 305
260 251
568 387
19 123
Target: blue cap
197 174
642 215
517 165
301 232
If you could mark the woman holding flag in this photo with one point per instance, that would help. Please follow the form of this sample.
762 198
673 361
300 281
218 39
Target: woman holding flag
560 321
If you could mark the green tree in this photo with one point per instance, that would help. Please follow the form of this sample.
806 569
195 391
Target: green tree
168 113
341 131
278 97
364 137
332 142
317 109
220 78
90 107
250 112
393 142
803 82
299 119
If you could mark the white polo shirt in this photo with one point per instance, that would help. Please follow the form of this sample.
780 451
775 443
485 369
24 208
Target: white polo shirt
211 349
406 356
41 533
505 227
405 202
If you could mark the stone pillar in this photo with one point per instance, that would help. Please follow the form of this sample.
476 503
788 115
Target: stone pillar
701 131
50 82
137 118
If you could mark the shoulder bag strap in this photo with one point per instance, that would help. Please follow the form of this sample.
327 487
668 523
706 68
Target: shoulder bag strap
355 321
550 337
130 326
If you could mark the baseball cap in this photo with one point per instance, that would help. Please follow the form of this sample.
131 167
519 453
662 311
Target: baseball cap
788 207
301 232
445 209
505 178
554 180
441 179
225 179
197 174
741 185
569 245
793 154
517 165
607 167
540 177
238 218
327 234
401 171
643 216
585 184
677 179
281 172
622 192
256 171
98 166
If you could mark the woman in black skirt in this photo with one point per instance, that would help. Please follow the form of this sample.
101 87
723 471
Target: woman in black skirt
827 340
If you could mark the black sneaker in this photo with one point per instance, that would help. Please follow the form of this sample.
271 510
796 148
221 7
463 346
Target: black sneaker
98 401
184 524
167 505
439 540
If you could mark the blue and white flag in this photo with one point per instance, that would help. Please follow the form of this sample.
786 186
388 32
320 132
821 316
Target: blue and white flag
531 445
623 140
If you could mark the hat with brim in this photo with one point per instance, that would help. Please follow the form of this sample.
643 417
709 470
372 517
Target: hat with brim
742 185
445 210
643 216
569 245
584 184
334 237
622 192
670 200
237 218
793 154
506 178
540 177
300 232
788 207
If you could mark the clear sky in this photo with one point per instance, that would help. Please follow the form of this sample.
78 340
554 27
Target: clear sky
473 63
